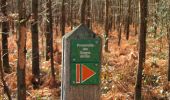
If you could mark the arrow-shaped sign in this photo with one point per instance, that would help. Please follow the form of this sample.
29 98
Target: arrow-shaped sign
84 72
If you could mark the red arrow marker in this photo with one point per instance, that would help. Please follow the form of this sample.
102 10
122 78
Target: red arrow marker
77 73
86 73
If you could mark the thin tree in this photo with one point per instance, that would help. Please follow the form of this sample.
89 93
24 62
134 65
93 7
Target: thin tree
82 13
168 30
114 15
5 31
136 16
106 24
155 19
50 27
142 47
48 34
6 88
35 46
21 63
71 13
120 23
88 19
128 19
63 18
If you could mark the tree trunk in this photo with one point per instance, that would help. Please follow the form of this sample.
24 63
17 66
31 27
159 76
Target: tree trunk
155 19
5 31
92 16
63 18
128 20
88 19
136 17
71 13
114 24
142 48
48 34
53 83
21 92
106 24
168 30
120 23
82 15
6 88
35 46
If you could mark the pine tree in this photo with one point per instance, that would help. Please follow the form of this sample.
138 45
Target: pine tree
35 46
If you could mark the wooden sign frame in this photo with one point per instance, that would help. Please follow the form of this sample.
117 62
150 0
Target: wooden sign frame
78 92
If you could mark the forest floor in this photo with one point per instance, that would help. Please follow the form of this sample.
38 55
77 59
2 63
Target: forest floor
119 68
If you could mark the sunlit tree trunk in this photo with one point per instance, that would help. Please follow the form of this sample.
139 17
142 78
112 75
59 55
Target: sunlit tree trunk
142 48
21 86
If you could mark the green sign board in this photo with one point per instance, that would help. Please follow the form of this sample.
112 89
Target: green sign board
84 73
81 64
85 61
87 50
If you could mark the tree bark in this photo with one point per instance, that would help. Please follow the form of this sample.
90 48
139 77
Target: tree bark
48 34
63 18
53 83
82 15
155 19
88 19
71 13
6 88
128 20
120 23
106 24
142 48
168 30
5 31
35 45
136 17
21 92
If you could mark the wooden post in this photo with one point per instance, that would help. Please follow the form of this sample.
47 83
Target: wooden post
81 64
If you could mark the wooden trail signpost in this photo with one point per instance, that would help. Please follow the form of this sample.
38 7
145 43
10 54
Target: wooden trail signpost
81 64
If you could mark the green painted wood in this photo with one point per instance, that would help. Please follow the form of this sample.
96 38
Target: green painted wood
85 50
94 79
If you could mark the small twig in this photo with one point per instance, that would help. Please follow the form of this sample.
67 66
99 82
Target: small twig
6 33
29 93
9 75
